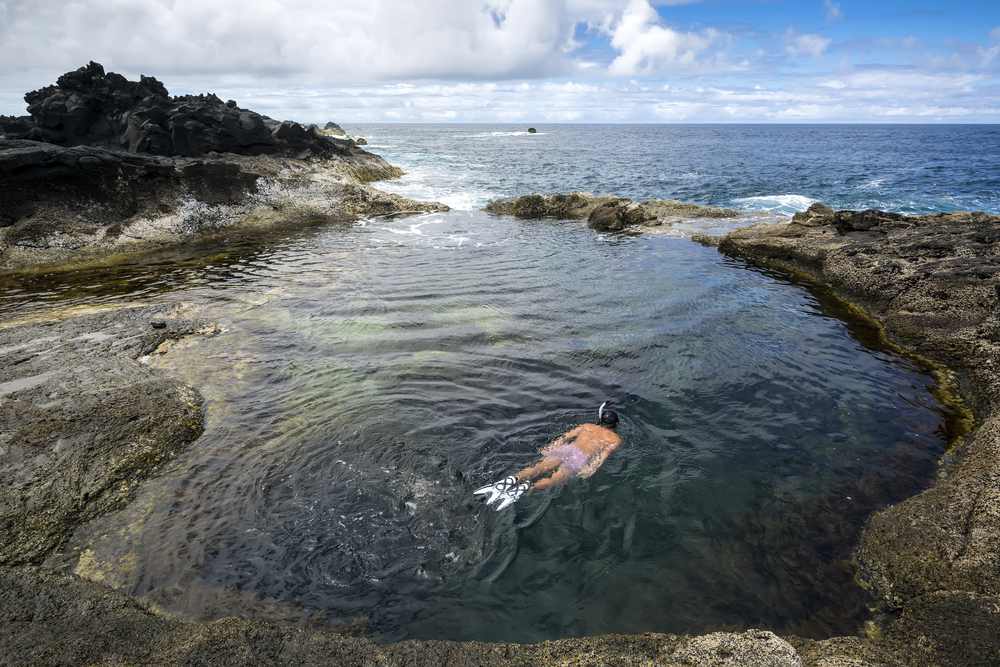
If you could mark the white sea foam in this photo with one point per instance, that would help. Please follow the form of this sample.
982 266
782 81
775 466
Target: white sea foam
778 204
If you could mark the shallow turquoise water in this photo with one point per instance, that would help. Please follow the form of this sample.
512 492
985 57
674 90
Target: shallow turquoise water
372 375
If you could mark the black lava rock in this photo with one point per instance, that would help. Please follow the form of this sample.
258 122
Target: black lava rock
91 107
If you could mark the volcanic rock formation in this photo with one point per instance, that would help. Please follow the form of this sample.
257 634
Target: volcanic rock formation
91 107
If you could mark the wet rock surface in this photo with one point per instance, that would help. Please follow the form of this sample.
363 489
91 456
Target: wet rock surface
56 619
82 422
83 204
606 213
934 284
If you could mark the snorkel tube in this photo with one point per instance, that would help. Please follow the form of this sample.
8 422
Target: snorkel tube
600 412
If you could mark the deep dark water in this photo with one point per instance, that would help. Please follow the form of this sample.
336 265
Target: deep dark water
371 376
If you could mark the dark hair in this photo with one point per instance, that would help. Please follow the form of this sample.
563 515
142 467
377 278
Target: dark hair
609 418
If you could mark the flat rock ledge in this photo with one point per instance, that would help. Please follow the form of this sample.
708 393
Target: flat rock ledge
80 205
933 282
607 213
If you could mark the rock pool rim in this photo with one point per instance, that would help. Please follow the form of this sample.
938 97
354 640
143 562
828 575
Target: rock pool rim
868 651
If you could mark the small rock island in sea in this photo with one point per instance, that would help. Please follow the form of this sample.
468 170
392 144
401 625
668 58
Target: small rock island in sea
103 165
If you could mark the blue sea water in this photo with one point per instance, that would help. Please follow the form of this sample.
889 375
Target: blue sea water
370 376
779 169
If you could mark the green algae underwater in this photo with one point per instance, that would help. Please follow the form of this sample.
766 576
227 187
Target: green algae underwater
368 377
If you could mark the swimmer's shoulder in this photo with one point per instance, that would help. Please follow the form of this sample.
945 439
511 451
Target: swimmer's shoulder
598 431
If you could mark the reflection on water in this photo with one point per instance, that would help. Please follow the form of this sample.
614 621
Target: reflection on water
370 377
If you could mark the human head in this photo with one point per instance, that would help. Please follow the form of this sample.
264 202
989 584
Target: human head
608 418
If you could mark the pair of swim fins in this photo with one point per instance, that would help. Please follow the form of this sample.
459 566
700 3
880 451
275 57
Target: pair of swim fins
506 491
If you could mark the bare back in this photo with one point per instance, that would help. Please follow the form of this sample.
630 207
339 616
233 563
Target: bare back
591 441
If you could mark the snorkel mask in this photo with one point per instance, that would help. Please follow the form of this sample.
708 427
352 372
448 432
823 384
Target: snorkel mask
608 418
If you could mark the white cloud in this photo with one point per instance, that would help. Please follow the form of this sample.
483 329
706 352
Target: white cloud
371 60
650 48
833 13
340 40
810 45
986 56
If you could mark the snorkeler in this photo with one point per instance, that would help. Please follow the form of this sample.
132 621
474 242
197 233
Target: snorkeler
579 452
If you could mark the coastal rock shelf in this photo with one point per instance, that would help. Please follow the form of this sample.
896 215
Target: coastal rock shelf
104 166
81 204
932 281
934 284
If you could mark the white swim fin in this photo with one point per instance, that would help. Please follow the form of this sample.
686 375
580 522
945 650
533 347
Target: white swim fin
507 491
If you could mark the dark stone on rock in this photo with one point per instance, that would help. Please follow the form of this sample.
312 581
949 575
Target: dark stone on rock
360 141
290 130
334 129
16 127
616 216
531 130
815 216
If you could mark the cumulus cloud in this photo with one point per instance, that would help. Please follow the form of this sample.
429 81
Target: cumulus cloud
343 39
810 45
489 60
647 47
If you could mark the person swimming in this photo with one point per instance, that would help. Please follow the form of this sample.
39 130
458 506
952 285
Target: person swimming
578 452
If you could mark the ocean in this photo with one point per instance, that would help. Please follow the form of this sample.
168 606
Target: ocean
371 375
775 169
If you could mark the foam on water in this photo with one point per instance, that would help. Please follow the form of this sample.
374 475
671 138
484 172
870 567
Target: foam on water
777 204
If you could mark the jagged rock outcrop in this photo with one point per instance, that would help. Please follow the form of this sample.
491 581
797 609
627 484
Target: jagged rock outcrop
104 166
618 215
333 128
89 107
606 213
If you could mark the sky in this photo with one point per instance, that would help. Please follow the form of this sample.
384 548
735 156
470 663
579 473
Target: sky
531 61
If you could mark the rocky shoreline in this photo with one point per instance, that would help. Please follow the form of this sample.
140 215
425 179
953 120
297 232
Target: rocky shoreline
933 282
931 561
89 176
105 166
